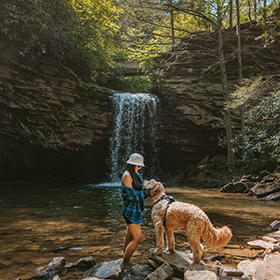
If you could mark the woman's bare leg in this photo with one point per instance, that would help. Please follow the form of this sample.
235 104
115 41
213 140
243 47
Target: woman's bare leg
132 240
128 239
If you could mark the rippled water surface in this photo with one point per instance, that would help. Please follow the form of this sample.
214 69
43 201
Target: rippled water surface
41 221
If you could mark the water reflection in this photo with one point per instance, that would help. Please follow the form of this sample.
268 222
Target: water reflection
42 221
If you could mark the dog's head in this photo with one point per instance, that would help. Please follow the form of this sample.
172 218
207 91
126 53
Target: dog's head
157 186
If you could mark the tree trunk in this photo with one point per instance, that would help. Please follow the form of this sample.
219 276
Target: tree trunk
255 9
264 11
238 42
172 23
249 12
240 70
225 94
230 14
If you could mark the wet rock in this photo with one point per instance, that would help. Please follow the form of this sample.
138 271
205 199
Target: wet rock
200 272
106 270
152 263
259 244
178 260
276 235
215 258
140 271
274 226
273 197
270 178
226 271
55 267
263 189
82 264
93 278
231 187
254 178
162 272
264 173
270 239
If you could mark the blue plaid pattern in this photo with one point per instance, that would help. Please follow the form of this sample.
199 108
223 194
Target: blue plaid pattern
132 201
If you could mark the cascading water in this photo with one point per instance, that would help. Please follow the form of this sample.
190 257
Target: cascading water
135 132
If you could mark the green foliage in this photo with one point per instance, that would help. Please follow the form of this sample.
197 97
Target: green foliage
245 95
255 166
85 89
146 26
269 19
133 84
79 32
261 135
35 24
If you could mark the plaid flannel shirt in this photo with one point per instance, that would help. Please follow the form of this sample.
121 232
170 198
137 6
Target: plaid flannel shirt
132 202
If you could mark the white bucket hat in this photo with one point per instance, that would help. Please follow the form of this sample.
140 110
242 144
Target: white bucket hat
136 159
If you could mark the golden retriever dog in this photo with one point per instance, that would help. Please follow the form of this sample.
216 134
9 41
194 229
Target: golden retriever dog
183 215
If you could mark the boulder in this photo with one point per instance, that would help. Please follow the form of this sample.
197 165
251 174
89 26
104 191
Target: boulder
270 239
82 264
274 226
249 267
163 272
106 270
55 267
200 272
262 270
270 178
222 270
276 235
259 244
264 189
93 278
273 197
140 271
273 248
231 187
178 260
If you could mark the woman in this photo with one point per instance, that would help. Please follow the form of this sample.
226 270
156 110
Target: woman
133 196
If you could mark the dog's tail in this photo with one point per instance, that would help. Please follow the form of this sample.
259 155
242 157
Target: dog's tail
216 237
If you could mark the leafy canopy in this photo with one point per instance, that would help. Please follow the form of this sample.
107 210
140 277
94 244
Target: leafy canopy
261 136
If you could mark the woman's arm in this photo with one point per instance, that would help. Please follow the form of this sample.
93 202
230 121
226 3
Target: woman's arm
126 179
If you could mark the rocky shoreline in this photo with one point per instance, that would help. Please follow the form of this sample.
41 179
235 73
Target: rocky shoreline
259 260
263 262
264 185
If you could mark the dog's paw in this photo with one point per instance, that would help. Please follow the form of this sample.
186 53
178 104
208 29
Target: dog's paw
171 250
158 252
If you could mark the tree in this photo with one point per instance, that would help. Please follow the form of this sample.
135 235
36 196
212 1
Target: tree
80 33
259 138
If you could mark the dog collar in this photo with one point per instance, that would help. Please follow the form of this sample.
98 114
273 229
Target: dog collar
170 199
167 197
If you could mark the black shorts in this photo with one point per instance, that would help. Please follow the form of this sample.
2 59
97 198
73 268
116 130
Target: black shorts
128 222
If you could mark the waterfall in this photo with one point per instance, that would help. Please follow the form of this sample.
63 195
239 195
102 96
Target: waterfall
134 132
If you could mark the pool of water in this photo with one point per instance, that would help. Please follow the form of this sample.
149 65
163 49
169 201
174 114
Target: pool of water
40 221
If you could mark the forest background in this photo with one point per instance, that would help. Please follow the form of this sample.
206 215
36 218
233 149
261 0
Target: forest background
96 38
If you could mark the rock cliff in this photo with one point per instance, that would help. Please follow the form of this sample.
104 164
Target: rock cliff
188 80
52 125
47 128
